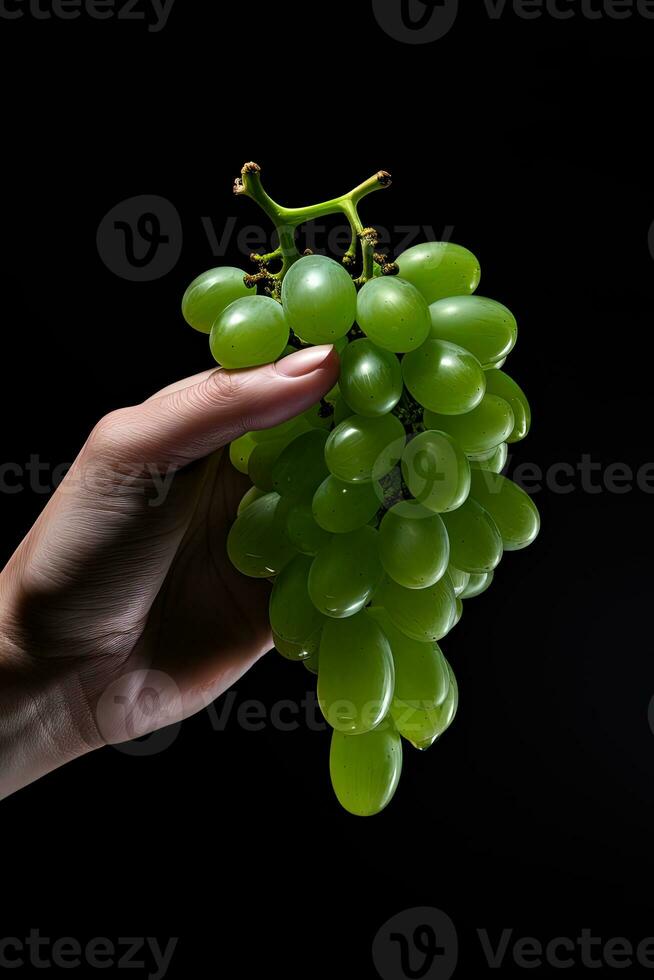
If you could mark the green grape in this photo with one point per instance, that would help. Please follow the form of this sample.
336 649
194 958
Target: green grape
421 676
459 579
211 293
477 584
356 675
459 612
485 328
413 545
480 430
250 331
475 542
293 616
306 651
359 446
423 614
371 378
365 769
240 451
261 461
341 507
303 531
257 543
300 469
252 494
440 269
436 471
312 663
422 725
510 507
499 383
342 410
319 299
315 419
495 461
393 314
284 430
345 573
444 378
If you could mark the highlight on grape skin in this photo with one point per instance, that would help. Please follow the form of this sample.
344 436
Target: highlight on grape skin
378 513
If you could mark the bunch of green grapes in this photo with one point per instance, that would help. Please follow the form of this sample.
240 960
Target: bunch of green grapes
380 511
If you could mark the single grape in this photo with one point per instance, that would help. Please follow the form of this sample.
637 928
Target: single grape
499 383
485 328
240 451
293 616
252 494
459 612
436 471
262 460
444 378
250 331
440 269
477 584
306 651
341 507
300 468
510 507
257 543
371 378
393 314
303 531
478 431
494 461
211 293
423 614
312 663
459 579
319 299
422 725
421 676
365 769
475 542
284 430
345 573
413 545
356 674
359 446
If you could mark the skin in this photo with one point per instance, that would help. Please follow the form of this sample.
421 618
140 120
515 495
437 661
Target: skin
120 612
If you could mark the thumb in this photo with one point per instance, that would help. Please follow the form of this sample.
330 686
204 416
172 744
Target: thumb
194 417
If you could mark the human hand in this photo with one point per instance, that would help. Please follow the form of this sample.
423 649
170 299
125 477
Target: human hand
122 592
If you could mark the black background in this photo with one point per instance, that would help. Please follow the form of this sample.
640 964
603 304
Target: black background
532 139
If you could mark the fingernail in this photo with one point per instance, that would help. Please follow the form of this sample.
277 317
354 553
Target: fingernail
304 362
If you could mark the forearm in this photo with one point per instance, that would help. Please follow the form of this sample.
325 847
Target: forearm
39 726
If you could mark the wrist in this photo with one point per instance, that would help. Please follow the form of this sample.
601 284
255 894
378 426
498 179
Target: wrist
44 719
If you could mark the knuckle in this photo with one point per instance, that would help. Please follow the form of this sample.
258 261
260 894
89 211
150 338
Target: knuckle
108 435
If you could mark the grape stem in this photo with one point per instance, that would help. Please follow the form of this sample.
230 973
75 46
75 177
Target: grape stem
287 220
